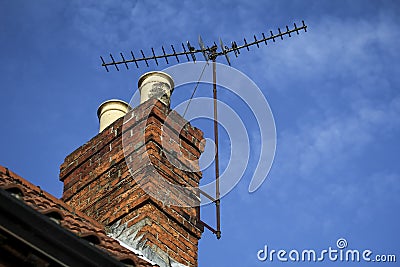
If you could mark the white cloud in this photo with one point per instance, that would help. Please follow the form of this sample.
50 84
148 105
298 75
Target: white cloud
327 143
342 67
335 55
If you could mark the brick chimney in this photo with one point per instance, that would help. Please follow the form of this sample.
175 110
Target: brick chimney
122 176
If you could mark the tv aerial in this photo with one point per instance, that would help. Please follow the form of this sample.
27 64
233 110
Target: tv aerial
210 53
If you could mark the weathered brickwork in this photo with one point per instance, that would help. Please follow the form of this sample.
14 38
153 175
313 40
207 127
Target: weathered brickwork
98 182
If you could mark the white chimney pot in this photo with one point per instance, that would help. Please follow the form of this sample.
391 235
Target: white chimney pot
156 84
110 111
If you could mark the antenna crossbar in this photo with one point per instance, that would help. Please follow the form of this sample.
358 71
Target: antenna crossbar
208 52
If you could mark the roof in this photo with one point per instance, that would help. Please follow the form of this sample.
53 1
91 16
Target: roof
67 218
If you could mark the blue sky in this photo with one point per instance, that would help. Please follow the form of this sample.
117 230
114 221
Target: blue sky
333 91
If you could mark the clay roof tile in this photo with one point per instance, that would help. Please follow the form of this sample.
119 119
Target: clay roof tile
68 218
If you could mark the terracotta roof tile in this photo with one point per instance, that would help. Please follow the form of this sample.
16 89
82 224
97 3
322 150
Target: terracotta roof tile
69 218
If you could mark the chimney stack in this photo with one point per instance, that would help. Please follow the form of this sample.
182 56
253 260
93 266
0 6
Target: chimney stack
103 177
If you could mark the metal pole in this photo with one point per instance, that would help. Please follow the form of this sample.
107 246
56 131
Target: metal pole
217 193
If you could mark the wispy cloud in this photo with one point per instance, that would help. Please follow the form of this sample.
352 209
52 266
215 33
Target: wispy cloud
345 68
356 102
327 143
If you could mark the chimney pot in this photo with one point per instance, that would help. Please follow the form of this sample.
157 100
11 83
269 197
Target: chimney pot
110 111
156 84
